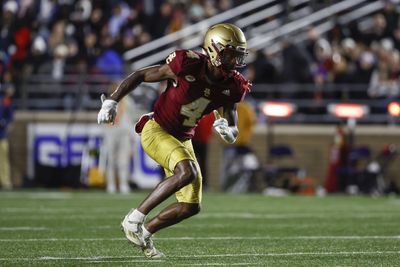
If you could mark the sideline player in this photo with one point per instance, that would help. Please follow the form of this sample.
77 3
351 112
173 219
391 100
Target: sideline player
197 85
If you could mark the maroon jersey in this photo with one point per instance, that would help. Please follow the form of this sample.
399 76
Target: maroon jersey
184 103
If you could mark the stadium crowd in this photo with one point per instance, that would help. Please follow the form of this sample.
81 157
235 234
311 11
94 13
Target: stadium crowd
355 54
82 36
69 36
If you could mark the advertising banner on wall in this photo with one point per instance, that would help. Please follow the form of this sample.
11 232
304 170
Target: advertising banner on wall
58 149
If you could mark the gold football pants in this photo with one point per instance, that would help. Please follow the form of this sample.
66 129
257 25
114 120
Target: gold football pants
168 151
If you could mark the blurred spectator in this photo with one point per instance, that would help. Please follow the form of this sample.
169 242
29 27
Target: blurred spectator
57 64
322 67
340 69
391 16
117 149
337 34
97 19
6 117
265 70
57 35
160 25
128 42
350 51
118 19
225 5
296 70
8 25
109 62
209 8
363 73
91 49
312 38
196 11
385 78
47 11
38 55
296 64
377 31
178 20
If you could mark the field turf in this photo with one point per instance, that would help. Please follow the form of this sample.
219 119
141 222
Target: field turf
41 228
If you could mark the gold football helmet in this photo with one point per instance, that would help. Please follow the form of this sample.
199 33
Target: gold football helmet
226 46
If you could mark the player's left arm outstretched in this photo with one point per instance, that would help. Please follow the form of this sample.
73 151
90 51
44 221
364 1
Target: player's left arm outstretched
156 73
226 126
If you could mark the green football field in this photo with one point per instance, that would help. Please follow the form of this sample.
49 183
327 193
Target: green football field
82 229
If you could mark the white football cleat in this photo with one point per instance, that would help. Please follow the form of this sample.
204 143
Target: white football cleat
150 250
133 231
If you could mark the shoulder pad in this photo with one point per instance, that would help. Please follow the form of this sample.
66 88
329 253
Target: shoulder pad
192 55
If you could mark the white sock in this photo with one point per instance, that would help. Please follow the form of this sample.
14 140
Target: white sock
137 216
146 233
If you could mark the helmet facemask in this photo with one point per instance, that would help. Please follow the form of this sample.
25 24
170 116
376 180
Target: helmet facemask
233 56
229 57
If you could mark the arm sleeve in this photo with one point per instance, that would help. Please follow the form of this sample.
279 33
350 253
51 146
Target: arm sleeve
243 87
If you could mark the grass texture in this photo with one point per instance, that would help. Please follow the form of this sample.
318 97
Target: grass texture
49 228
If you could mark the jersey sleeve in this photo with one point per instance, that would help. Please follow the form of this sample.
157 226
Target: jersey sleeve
243 86
179 60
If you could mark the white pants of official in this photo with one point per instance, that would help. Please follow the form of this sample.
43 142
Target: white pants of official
118 148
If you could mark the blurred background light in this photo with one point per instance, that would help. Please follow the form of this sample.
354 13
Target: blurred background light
348 111
394 109
278 109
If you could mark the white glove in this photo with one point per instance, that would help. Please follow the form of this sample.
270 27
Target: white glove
108 110
225 131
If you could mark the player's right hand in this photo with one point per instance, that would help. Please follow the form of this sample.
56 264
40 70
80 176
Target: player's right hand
108 110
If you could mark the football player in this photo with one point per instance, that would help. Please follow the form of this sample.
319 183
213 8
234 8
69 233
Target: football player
197 85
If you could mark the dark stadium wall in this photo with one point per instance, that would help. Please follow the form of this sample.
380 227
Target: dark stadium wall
310 143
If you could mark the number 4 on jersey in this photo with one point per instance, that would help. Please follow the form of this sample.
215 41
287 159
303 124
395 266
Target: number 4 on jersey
194 110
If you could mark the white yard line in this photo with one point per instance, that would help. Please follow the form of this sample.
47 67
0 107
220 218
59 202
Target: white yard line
58 211
321 215
124 258
183 238
31 228
276 237
112 214
327 253
60 216
302 225
59 239
221 264
39 195
67 195
127 261
24 228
